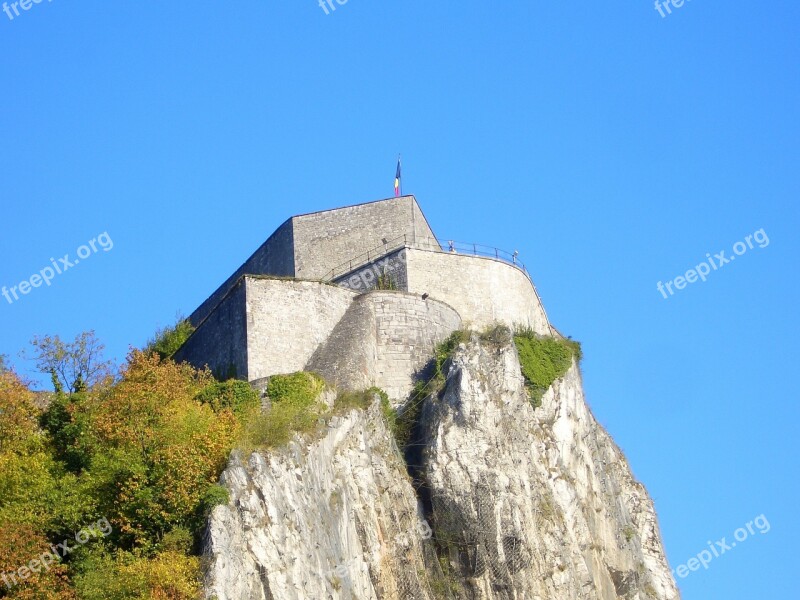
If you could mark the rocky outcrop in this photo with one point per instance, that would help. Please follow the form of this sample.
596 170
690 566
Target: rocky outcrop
534 503
506 502
332 518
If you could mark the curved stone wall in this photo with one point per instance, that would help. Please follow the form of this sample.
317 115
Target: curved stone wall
384 340
482 290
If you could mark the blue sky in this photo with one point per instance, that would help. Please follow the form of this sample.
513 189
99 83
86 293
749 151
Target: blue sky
611 146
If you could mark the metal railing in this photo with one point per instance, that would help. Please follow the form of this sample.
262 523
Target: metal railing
367 257
425 243
485 251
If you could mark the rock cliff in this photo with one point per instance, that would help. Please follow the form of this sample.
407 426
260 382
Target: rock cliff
504 501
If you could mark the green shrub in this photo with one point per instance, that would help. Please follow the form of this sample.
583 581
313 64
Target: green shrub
180 539
125 575
235 395
299 388
629 532
385 282
405 420
67 420
346 401
389 413
543 360
214 496
295 409
168 340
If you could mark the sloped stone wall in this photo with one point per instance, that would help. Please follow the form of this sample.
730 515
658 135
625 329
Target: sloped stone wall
274 257
221 340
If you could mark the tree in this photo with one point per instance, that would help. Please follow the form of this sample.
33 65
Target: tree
18 413
163 448
73 366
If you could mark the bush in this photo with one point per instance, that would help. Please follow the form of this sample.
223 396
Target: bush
19 544
168 340
179 539
145 453
67 420
216 495
543 360
300 389
235 395
295 409
496 335
130 576
347 401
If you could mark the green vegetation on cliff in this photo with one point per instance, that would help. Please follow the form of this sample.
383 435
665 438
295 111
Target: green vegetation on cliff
295 408
168 340
543 360
404 422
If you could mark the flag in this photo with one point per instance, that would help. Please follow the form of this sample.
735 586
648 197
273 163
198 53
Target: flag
397 179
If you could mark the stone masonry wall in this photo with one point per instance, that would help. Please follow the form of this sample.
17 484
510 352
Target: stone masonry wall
221 340
287 321
482 290
325 240
384 340
274 257
408 329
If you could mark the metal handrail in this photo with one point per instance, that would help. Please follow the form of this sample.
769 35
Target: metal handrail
425 243
484 251
367 257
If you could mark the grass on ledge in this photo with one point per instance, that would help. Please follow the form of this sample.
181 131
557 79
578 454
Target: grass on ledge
297 407
544 360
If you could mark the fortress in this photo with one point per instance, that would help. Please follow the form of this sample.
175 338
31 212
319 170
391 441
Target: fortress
359 294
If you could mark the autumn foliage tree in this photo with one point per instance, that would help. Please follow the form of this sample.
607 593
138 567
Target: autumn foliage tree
73 366
145 452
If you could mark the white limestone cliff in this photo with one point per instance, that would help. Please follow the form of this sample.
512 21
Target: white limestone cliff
508 502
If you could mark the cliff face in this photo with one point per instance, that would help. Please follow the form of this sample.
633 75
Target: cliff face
507 502
538 503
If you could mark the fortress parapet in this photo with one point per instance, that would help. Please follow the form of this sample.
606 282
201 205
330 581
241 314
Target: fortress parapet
370 283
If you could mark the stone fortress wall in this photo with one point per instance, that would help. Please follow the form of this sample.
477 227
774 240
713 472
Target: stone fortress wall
326 240
288 320
385 340
507 295
309 246
261 324
220 340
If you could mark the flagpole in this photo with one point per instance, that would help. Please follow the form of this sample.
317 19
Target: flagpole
400 162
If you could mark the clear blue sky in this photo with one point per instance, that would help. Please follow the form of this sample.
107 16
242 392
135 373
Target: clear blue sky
612 147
